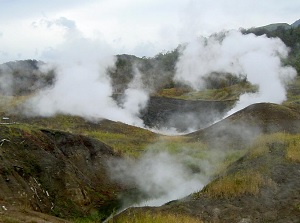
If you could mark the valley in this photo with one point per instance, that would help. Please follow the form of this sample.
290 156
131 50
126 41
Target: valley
144 146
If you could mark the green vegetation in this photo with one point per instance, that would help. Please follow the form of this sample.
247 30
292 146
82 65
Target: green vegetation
293 93
226 93
93 217
8 103
8 219
127 144
293 149
150 217
124 139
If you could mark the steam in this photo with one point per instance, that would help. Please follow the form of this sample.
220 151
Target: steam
6 82
258 58
161 177
83 86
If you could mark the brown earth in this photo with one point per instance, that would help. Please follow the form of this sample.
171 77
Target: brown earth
55 172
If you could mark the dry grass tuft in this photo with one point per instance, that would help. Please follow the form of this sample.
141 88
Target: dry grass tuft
293 150
147 217
236 185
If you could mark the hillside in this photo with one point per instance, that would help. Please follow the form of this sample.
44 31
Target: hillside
24 77
245 125
260 184
56 168
55 172
38 144
296 24
274 26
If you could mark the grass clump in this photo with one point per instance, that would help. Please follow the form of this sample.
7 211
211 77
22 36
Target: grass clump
132 143
8 219
172 92
148 217
222 94
291 145
293 150
235 185
94 217
178 145
261 145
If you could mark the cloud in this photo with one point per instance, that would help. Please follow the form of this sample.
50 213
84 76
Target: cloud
161 23
62 22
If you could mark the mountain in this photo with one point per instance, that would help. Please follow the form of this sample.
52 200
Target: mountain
55 168
296 24
274 26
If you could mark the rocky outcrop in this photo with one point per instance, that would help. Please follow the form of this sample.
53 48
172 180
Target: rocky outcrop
55 172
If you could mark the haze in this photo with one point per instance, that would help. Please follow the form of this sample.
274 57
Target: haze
29 29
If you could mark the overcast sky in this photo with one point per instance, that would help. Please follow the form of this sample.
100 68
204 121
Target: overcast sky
30 28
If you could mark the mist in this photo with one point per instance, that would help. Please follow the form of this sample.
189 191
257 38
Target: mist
159 176
258 58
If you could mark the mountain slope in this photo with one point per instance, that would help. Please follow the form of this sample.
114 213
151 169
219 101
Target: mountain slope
274 26
244 126
263 185
296 24
55 172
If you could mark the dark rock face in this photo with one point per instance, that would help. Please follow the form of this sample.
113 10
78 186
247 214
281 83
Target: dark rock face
55 172
183 114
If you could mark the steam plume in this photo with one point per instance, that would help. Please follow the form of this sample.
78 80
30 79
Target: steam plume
256 57
83 87
160 176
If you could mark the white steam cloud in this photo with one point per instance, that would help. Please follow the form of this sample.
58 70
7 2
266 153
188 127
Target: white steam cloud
160 176
256 57
83 86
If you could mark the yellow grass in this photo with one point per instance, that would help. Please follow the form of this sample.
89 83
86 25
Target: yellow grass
236 185
147 217
291 142
293 150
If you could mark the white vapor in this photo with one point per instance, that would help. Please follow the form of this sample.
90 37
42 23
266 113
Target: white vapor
256 57
83 86
162 177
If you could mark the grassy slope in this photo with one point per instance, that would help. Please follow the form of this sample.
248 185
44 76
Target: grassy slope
255 180
71 168
124 139
261 186
133 141
223 94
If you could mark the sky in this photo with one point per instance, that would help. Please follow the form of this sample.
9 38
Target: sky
31 29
